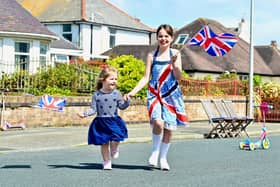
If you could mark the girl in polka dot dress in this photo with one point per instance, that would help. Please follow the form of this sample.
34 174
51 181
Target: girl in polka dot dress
107 129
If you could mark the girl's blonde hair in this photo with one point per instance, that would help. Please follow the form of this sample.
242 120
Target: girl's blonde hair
105 72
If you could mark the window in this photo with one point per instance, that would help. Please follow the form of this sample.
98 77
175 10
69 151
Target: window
67 32
59 58
112 38
181 39
43 54
243 77
22 57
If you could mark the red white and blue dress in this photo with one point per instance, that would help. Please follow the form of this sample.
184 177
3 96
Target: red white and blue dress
164 96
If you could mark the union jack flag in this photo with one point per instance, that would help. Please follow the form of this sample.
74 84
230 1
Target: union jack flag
51 103
213 44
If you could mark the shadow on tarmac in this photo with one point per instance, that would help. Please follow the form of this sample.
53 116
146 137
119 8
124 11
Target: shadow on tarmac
98 166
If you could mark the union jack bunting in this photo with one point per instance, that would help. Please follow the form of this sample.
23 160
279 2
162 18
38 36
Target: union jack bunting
214 44
51 103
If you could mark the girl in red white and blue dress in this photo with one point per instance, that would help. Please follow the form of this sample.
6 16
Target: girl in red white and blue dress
165 103
108 128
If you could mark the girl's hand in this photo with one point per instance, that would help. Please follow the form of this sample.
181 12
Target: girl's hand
174 58
81 115
127 96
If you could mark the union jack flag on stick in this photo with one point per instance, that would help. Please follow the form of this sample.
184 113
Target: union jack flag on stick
214 44
51 103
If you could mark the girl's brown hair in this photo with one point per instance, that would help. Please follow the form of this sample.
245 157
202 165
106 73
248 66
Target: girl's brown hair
167 28
105 72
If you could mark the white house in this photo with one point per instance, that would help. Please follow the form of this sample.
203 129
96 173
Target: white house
94 26
24 41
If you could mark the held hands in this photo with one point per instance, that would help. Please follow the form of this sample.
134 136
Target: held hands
81 115
128 96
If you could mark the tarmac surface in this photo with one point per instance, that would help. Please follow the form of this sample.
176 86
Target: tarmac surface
45 138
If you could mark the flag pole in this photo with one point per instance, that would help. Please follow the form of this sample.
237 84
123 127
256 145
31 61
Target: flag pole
251 73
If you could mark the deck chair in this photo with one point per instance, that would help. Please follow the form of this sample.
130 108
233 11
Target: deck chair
242 122
229 126
215 121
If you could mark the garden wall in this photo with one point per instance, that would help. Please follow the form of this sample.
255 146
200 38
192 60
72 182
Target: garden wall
21 108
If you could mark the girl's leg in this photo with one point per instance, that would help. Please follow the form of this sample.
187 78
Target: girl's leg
156 138
114 148
164 149
107 165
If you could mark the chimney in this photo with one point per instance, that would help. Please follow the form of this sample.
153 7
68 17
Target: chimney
274 44
137 19
240 26
83 11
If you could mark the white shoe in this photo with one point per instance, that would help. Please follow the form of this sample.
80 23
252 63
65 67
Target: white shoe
164 164
115 154
107 165
153 160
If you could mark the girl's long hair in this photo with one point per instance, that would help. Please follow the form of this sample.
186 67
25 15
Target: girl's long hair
105 72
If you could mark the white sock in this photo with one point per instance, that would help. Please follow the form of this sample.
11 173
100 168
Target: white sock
156 142
164 150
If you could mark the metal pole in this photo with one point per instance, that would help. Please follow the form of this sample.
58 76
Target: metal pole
251 75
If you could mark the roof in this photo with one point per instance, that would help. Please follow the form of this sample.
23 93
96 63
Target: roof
62 43
271 55
95 11
195 59
54 10
15 19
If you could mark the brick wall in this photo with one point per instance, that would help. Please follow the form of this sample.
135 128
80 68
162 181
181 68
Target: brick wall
20 108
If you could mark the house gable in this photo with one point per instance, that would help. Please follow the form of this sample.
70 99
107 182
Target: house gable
24 40
16 20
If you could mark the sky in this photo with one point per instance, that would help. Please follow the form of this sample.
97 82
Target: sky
179 13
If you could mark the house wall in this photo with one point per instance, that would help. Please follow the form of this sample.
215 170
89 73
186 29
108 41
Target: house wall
82 35
270 79
199 75
57 29
85 40
7 56
131 38
214 76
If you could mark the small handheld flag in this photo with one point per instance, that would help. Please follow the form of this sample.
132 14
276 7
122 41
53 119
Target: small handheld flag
214 44
51 103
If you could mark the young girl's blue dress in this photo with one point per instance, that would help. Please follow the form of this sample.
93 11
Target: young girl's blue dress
107 125
164 96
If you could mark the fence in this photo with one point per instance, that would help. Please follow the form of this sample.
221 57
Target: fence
213 88
25 78
272 115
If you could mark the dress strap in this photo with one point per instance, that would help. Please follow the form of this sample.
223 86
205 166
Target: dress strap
156 53
170 53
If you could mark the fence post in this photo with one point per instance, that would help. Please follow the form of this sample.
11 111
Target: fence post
206 87
235 87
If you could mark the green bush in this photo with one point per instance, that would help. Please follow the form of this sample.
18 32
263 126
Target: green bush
130 71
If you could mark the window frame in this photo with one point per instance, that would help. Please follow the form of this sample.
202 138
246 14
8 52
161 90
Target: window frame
25 54
112 37
67 33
